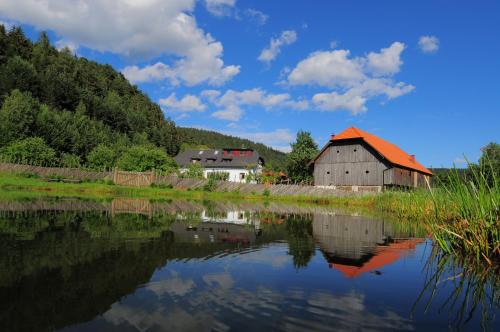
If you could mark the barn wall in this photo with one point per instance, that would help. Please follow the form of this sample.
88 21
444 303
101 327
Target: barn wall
404 177
348 164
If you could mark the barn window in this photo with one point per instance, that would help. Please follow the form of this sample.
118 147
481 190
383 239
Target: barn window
338 151
327 172
355 150
346 172
367 171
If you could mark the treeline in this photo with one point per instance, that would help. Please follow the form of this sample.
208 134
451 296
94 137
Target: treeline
57 108
199 138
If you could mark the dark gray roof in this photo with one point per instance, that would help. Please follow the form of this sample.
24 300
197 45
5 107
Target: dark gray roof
225 158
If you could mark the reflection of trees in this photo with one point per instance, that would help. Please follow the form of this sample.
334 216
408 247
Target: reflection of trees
300 240
474 287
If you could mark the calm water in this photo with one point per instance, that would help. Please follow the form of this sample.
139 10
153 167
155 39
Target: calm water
132 265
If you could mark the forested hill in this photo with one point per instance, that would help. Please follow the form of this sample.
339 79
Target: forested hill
72 103
63 110
192 137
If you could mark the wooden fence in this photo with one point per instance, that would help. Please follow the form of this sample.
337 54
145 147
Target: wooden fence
47 172
133 179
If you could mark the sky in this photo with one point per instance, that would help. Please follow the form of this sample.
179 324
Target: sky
421 74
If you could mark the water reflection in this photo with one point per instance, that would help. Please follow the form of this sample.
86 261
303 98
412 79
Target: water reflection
139 265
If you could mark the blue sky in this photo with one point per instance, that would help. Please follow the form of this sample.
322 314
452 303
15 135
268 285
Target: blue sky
423 75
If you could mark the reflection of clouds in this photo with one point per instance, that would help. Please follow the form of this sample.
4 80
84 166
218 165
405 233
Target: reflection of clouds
276 257
223 280
222 299
173 286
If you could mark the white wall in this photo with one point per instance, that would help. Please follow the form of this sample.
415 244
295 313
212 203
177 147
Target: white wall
234 173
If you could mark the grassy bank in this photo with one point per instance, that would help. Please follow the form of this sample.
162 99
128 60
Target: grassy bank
17 186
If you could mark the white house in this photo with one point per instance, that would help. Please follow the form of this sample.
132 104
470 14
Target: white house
238 163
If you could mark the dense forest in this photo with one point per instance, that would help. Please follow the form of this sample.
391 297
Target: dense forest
63 110
71 105
199 138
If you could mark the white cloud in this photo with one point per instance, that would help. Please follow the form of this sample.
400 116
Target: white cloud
188 103
279 139
256 16
270 53
328 68
62 44
138 29
231 102
352 80
387 61
333 101
428 44
220 8
156 72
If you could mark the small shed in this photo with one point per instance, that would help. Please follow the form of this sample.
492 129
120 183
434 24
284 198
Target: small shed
355 158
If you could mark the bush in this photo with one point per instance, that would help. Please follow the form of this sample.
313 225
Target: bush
101 157
31 151
218 176
194 171
210 185
266 192
145 158
70 160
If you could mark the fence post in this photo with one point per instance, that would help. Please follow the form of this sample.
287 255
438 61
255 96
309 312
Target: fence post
115 174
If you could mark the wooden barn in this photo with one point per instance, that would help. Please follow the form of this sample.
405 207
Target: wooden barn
357 160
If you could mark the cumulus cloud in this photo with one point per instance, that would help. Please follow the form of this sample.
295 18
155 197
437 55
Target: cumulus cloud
156 72
188 103
220 8
231 102
352 80
428 44
138 29
270 53
387 61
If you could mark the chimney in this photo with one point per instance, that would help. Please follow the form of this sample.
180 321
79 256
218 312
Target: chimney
332 136
412 158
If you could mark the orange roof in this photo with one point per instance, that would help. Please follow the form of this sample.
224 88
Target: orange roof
388 150
384 256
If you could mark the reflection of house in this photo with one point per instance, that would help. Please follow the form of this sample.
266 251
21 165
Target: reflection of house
356 158
228 227
238 163
355 244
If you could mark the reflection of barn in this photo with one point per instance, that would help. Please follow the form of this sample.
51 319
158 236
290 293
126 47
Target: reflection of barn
355 244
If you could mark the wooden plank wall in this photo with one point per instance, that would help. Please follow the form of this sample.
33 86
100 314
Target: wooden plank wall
134 179
348 164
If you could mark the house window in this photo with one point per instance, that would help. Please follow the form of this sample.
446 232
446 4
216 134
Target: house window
242 176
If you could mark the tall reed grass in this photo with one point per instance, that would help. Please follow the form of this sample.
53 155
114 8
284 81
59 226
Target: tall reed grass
462 215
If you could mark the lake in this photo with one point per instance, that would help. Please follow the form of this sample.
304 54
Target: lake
134 265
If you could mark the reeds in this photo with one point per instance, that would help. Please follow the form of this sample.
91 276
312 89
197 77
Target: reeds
463 215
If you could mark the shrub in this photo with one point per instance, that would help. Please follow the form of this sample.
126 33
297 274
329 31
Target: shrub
70 160
266 192
194 171
145 158
32 151
218 176
210 185
101 157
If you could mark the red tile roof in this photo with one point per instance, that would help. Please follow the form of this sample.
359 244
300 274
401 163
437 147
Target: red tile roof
388 150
